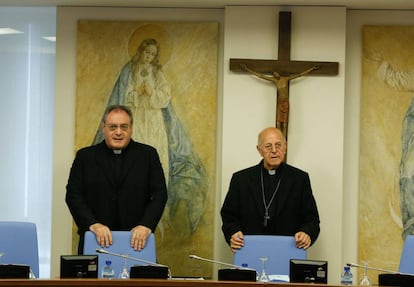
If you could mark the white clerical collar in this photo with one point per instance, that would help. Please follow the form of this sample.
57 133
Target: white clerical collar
117 151
271 171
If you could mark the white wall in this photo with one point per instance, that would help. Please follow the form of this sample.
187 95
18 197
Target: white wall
245 106
324 123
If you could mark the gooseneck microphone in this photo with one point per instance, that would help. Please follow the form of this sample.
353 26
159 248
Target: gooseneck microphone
129 257
374 268
219 262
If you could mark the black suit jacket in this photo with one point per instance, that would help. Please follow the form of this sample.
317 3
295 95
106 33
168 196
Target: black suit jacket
94 194
293 209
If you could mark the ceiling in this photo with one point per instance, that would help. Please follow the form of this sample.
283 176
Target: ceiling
350 4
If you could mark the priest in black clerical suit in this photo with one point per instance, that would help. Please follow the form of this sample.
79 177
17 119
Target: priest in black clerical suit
271 198
117 184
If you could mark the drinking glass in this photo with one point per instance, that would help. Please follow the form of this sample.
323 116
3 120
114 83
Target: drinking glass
124 273
365 280
263 277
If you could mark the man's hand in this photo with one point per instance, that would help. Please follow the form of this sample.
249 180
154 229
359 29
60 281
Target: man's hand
236 241
102 233
302 240
139 237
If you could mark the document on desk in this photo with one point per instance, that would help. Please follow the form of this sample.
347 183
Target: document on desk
187 278
279 278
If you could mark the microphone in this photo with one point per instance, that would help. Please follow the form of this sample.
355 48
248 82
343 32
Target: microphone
374 268
129 257
219 262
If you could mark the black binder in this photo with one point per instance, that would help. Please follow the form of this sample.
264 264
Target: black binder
237 275
14 271
402 280
149 271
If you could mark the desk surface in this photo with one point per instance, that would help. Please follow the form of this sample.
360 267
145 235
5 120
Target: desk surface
146 283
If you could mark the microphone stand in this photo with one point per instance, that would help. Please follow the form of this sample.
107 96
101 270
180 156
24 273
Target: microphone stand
129 257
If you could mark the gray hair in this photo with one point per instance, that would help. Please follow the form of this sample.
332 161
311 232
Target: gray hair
119 108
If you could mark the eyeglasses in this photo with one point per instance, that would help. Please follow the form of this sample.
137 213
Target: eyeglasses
269 147
113 127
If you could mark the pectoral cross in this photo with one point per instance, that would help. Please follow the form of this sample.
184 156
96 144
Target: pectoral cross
266 218
283 70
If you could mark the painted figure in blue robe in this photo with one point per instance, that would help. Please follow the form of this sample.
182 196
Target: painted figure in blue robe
142 86
402 81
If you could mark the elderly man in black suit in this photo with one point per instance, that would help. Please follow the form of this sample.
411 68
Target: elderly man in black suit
271 198
117 184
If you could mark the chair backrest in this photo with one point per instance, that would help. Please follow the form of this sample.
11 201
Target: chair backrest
120 245
277 248
407 256
18 243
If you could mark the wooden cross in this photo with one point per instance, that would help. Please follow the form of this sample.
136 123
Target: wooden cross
283 70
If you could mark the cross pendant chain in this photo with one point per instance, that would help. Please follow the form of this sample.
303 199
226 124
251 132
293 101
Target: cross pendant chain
266 206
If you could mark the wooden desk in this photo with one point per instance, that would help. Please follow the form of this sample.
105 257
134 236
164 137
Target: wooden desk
146 283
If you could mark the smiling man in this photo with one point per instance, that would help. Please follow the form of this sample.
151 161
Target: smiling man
271 198
117 184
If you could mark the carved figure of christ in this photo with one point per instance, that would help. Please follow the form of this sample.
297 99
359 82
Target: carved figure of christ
280 72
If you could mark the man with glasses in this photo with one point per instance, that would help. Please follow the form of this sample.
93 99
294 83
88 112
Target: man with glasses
271 198
117 184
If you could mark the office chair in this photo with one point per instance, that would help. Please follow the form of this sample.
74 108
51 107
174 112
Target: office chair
120 245
18 244
277 248
407 256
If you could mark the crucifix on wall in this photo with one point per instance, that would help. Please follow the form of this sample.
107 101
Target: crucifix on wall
280 72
